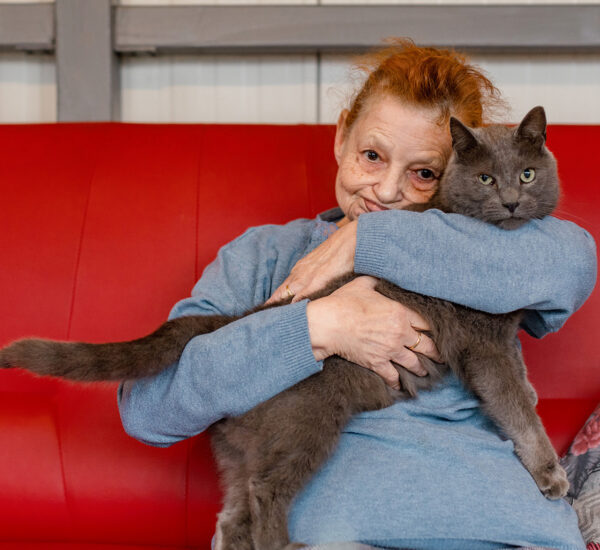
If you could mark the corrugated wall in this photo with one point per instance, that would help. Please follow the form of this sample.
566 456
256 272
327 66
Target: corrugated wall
27 88
288 88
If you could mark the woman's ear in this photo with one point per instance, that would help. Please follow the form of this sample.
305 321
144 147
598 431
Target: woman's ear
340 135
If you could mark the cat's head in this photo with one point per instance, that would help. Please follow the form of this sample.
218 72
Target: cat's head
501 175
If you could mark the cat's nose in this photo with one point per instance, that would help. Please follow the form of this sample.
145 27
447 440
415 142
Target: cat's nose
512 206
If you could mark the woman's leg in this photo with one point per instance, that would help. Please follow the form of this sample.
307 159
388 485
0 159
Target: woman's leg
344 546
358 546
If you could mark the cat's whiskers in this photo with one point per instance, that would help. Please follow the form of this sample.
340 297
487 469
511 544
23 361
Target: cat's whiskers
562 214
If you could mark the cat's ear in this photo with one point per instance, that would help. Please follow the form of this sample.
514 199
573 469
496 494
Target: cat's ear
533 127
463 140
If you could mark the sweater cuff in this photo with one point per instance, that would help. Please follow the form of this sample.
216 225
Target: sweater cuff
372 236
299 359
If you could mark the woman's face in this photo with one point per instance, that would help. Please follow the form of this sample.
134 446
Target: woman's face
393 156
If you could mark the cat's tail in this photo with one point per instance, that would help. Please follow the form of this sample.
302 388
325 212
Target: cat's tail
115 361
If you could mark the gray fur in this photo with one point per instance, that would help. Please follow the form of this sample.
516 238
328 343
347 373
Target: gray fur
268 454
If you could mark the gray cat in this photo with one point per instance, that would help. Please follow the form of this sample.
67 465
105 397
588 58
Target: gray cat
504 176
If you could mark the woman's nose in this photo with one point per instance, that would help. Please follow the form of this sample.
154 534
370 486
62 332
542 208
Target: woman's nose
388 189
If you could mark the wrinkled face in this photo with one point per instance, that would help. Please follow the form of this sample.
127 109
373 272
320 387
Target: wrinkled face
393 156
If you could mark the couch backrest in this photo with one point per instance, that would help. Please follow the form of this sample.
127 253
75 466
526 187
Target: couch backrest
104 227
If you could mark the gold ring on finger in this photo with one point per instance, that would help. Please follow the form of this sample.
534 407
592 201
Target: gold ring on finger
289 292
411 348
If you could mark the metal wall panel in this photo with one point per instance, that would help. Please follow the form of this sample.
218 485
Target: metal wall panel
459 2
567 85
210 2
27 88
407 2
279 89
294 89
27 84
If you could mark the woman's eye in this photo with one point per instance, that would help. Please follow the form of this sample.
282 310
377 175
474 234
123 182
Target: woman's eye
426 174
527 175
485 179
372 155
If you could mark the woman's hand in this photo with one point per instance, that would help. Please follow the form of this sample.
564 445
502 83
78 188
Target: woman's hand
363 326
330 259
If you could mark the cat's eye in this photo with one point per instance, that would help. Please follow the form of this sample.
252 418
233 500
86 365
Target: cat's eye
372 155
527 175
485 179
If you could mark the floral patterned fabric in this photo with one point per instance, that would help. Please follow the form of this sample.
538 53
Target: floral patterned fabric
582 464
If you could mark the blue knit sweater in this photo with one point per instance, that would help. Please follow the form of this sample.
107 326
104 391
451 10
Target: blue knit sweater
428 473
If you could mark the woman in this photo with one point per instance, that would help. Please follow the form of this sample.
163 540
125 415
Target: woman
427 473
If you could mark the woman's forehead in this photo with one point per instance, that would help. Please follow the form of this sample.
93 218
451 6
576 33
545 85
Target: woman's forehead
388 122
392 112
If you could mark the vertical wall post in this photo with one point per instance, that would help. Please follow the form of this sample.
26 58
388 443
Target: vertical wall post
87 66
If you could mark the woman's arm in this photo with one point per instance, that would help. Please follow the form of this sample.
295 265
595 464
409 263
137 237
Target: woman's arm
224 373
547 266
231 370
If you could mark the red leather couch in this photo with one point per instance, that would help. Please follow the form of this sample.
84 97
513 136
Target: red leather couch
103 228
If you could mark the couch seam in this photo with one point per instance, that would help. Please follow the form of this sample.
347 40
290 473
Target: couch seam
68 501
79 249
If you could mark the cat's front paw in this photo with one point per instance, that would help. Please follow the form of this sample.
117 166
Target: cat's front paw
232 535
552 480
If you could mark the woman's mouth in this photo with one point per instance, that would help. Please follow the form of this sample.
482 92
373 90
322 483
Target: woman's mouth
373 206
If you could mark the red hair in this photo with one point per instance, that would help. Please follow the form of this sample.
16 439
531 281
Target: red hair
426 77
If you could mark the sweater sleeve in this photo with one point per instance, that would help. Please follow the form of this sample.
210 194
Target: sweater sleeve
229 371
547 266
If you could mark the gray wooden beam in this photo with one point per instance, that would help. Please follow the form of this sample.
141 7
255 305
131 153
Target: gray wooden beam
317 28
353 27
27 27
86 64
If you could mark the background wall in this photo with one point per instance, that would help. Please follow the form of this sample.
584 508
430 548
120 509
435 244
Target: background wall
288 88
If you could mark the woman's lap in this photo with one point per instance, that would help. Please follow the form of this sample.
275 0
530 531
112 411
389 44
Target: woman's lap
358 546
